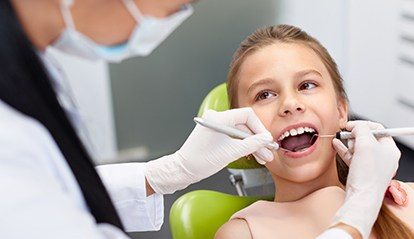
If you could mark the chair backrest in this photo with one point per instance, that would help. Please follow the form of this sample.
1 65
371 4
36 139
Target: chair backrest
199 214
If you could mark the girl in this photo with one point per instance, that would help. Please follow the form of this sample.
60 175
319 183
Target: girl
294 86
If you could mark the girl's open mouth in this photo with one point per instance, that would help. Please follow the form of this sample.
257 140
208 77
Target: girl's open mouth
298 142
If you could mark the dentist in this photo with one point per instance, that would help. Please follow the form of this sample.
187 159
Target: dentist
49 186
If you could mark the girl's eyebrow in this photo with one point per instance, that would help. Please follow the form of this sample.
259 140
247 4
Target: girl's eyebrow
302 73
267 81
258 83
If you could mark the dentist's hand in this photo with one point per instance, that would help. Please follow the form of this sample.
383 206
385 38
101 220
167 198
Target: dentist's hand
395 192
206 151
372 164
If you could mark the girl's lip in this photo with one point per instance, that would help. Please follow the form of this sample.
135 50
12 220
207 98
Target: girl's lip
301 154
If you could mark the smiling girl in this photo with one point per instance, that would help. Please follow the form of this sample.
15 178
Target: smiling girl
294 86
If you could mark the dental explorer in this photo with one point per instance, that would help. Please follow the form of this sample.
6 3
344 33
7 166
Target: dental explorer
230 131
377 133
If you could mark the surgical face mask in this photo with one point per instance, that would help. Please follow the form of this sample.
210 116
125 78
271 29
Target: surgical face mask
147 35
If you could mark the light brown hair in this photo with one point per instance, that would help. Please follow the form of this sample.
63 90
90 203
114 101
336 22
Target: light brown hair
387 225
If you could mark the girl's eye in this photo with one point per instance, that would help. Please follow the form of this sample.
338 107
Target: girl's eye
264 95
307 86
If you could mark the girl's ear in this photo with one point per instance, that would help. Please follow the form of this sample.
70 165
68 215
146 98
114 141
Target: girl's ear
343 113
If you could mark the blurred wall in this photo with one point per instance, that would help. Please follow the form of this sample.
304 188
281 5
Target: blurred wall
323 19
380 56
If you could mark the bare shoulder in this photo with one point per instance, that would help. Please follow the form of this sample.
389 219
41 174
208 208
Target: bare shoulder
410 184
235 228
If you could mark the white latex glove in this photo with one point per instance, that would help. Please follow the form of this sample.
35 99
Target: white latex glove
206 151
372 164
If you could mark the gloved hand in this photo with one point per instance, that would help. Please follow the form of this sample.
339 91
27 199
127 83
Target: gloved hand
372 164
206 151
394 192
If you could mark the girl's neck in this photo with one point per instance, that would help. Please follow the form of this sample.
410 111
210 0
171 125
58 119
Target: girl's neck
288 191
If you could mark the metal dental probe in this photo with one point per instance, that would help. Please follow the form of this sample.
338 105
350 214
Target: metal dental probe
230 131
377 133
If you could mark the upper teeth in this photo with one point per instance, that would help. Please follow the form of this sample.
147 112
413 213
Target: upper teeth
293 132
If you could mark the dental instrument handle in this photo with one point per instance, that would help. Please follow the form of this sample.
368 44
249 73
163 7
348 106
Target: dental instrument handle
230 131
380 133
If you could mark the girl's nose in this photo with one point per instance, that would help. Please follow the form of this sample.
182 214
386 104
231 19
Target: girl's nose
291 105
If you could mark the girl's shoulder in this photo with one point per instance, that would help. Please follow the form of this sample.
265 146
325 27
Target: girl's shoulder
256 208
238 226
235 228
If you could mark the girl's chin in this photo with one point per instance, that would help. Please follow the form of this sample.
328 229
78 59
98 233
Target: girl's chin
308 169
307 173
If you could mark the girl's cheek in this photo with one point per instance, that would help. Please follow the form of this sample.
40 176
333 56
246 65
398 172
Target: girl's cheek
266 114
263 116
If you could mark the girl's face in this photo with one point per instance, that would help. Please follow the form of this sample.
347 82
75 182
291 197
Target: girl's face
291 91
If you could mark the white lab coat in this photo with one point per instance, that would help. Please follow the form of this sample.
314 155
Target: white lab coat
40 197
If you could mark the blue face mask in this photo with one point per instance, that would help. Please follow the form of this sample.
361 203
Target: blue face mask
112 50
147 35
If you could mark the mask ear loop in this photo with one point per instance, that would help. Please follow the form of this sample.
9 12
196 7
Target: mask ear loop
66 14
133 10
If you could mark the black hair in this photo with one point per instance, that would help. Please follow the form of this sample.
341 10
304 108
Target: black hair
26 87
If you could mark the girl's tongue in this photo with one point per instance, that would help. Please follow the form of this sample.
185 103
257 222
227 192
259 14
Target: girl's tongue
298 142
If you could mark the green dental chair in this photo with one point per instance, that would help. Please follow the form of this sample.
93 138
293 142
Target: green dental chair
199 214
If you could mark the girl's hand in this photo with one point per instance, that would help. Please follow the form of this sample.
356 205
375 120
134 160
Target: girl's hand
397 193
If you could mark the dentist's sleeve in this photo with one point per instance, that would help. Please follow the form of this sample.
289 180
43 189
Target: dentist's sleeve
334 233
126 186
